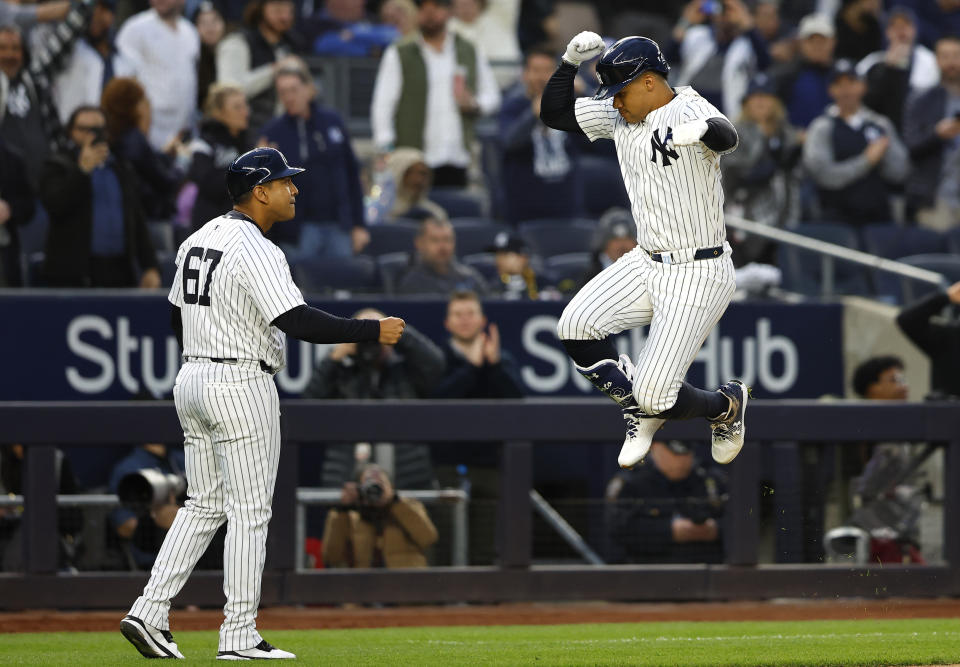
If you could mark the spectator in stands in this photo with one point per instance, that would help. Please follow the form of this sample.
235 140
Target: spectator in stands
142 530
89 65
401 14
223 136
540 164
776 32
128 113
98 234
344 29
211 29
936 19
939 338
25 16
492 26
904 68
436 269
477 367
667 510
802 82
374 527
760 178
412 179
616 236
17 206
30 124
329 220
859 32
516 279
163 49
881 379
853 154
438 80
720 51
931 130
251 57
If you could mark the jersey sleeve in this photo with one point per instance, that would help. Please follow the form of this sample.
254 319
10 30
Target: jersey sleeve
700 109
176 290
597 118
267 278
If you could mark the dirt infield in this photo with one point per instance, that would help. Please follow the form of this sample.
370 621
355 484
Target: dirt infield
292 618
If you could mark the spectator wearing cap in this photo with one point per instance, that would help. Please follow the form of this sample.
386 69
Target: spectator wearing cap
343 28
436 269
211 29
329 220
667 510
881 379
412 179
539 175
931 130
904 68
429 91
616 236
853 154
719 52
859 31
802 82
760 179
516 278
163 48
250 57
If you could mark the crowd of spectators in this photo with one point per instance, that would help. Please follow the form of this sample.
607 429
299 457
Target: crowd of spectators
846 111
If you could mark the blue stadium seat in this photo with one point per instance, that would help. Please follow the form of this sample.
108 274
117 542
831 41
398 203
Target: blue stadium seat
391 266
458 202
953 241
391 237
944 263
168 267
558 237
485 263
602 184
329 274
891 241
802 268
568 269
475 235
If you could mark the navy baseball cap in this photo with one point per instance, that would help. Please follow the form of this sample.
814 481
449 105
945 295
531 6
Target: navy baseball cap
256 167
761 84
843 67
507 242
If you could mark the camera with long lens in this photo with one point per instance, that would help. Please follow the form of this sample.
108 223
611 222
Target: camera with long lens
370 492
148 488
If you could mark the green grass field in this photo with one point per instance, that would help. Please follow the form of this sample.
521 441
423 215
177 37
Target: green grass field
807 643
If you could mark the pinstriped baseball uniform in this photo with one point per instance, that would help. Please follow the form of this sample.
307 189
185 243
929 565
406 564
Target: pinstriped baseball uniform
677 201
231 282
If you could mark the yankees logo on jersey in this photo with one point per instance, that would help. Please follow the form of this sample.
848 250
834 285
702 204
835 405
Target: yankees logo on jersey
658 146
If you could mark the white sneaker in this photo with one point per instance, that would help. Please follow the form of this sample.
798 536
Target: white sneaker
728 433
262 651
640 431
150 641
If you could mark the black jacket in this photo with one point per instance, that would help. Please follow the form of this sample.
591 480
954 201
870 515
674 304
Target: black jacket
67 194
213 153
940 340
15 190
920 120
464 380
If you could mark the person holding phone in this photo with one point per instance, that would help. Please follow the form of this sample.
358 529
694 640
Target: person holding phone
98 234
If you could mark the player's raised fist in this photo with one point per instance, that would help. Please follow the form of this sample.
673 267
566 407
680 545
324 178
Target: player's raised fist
391 328
690 133
584 46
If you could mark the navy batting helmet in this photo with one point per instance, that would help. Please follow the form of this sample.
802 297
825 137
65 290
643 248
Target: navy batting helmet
255 168
624 61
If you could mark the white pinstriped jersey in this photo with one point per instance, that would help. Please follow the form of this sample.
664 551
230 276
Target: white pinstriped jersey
675 193
231 283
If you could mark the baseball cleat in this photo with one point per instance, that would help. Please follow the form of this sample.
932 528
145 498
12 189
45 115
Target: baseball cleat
728 431
640 430
262 651
150 641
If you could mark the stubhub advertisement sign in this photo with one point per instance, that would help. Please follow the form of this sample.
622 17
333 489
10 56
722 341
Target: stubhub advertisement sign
106 346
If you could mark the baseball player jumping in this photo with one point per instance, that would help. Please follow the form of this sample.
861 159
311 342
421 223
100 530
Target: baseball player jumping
233 300
679 279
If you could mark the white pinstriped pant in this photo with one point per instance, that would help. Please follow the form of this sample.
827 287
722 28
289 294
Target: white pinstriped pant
231 423
681 303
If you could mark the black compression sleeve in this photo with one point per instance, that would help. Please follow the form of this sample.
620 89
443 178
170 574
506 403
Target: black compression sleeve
720 135
557 103
176 323
316 326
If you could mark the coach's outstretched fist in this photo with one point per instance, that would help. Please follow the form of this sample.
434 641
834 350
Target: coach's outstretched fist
391 328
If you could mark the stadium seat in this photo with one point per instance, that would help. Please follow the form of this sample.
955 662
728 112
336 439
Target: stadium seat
391 266
168 268
485 263
558 237
391 237
329 274
891 241
602 184
953 241
458 202
802 268
475 235
943 263
568 269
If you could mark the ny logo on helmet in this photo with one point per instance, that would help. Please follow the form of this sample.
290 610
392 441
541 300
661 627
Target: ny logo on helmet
661 147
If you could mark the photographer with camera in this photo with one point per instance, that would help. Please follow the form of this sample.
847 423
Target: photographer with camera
374 527
667 509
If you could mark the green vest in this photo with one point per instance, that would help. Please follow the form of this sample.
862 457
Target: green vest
412 107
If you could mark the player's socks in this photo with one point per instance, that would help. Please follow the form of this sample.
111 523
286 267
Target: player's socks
692 403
